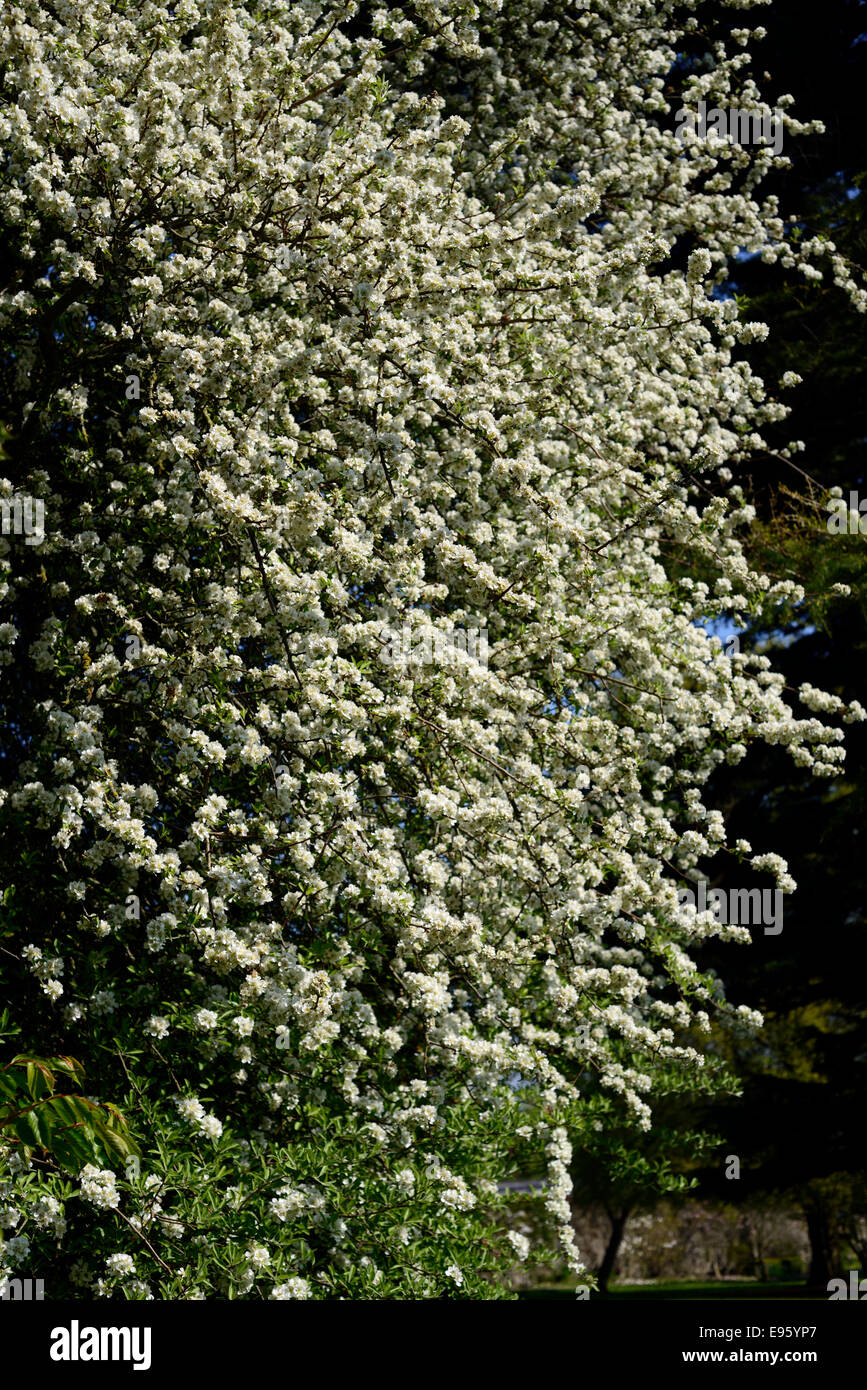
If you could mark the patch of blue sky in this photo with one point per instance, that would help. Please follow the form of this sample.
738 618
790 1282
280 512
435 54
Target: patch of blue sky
721 627
724 628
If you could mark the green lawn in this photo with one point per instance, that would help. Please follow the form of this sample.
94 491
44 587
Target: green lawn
682 1289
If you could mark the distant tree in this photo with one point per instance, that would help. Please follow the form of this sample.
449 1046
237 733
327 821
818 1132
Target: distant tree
623 1171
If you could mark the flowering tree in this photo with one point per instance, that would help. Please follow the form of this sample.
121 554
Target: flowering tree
319 322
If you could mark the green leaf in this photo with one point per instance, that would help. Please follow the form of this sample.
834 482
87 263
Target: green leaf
71 1128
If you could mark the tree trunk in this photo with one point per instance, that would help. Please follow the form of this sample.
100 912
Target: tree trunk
820 1247
618 1226
757 1249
